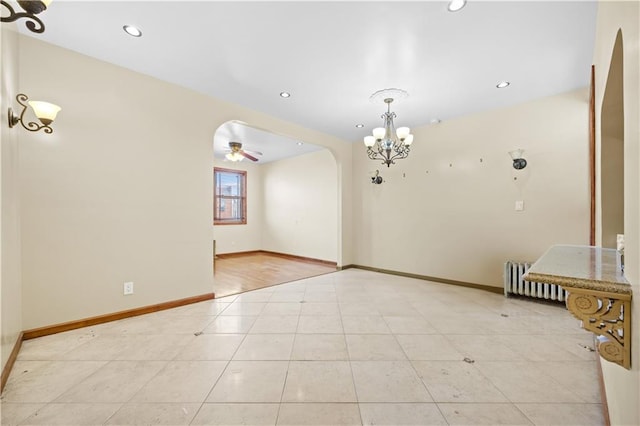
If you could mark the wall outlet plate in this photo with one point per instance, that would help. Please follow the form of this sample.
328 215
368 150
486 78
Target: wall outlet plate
128 288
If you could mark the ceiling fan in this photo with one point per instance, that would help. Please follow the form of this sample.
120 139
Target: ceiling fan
236 153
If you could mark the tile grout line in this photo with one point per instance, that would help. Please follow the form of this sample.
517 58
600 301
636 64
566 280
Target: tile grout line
204 401
286 377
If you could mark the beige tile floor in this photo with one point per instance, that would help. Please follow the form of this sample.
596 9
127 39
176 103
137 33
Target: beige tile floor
352 347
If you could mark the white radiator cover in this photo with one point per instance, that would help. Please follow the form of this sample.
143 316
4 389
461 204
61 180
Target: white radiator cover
515 284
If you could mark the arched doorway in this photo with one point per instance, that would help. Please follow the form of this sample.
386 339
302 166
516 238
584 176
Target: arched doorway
291 226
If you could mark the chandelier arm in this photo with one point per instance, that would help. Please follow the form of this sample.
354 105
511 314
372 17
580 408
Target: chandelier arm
373 155
401 154
402 149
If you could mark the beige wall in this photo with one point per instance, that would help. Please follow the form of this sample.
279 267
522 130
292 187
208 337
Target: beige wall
622 386
122 190
10 281
237 238
300 206
448 211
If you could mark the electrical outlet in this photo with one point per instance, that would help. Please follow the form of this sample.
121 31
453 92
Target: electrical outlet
128 288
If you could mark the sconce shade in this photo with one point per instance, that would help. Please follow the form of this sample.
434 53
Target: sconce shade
45 111
516 153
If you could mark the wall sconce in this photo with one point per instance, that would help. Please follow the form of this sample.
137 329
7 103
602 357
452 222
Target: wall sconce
31 9
45 112
519 163
376 179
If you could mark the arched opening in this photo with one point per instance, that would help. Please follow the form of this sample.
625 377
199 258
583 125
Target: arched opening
612 150
291 199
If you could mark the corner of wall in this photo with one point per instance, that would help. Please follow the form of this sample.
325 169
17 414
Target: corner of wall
10 263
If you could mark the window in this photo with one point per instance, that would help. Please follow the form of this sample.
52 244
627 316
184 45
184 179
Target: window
229 197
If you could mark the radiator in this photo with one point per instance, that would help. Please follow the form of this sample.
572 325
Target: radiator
514 284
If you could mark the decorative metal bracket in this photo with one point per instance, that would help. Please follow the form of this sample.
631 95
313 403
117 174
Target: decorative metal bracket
607 315
32 8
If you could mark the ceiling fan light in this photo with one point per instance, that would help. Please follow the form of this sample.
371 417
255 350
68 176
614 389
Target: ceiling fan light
369 141
234 156
379 132
403 132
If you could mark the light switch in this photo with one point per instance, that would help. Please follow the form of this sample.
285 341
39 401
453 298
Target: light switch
519 205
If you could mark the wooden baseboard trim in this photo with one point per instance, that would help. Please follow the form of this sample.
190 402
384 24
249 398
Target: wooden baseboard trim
274 253
489 288
301 258
10 361
101 319
237 254
343 267
603 391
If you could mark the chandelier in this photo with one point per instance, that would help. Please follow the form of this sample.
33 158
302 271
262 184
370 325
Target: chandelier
388 143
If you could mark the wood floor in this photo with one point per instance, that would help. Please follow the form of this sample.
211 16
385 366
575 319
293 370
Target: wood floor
238 273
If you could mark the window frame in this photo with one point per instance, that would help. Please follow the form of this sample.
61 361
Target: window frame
217 198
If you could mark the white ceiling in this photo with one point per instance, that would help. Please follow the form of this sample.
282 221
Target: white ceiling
331 56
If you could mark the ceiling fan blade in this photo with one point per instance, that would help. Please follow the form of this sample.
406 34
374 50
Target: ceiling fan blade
249 156
252 152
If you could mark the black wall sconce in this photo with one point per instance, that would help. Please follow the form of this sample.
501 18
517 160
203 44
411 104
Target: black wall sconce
376 179
519 163
45 111
31 9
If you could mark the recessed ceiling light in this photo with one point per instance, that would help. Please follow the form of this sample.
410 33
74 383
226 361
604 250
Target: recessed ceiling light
285 94
132 31
299 143
502 84
456 5
359 126
435 120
